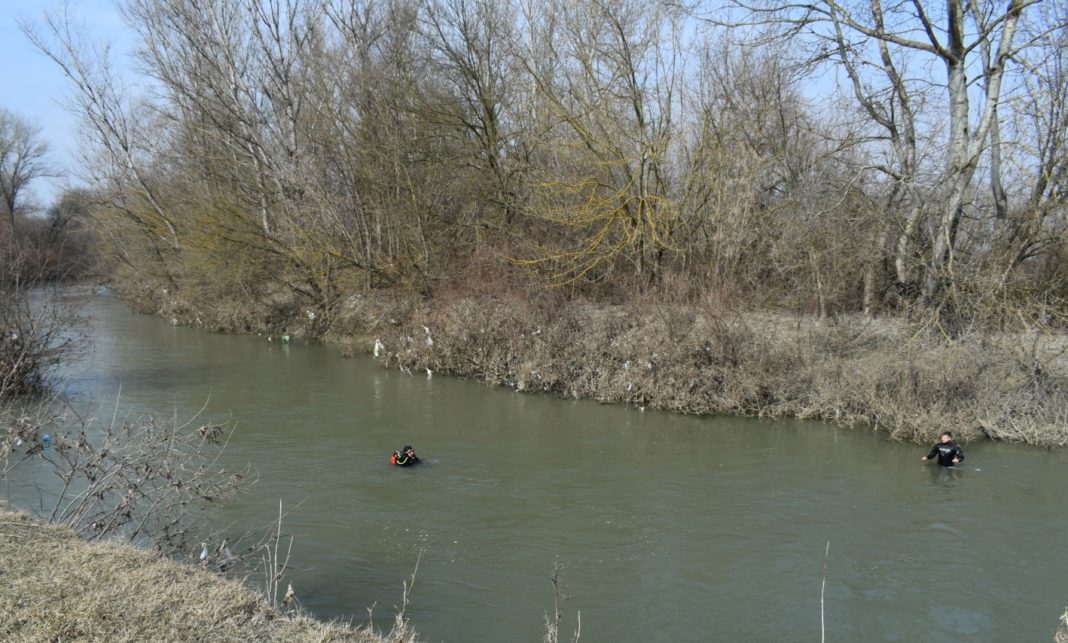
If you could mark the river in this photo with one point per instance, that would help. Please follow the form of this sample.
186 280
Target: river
669 528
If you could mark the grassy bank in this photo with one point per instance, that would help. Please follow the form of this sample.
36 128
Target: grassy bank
888 374
56 587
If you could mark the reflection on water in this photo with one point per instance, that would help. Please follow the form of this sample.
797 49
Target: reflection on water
945 476
669 528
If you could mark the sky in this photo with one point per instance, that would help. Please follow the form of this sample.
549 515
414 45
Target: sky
33 87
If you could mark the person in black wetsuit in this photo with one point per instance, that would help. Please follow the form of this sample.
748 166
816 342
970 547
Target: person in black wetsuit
406 457
948 452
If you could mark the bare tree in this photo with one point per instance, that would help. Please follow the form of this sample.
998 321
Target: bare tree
121 132
474 82
298 150
609 87
967 38
23 158
762 182
1033 227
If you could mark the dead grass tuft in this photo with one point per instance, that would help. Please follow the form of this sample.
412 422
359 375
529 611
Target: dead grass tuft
56 587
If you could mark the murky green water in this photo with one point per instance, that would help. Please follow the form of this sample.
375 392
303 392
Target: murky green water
670 528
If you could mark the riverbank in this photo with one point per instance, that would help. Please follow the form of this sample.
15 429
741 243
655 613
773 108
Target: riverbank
910 380
57 587
496 437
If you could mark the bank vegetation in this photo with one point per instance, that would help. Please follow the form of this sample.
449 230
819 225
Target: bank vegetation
58 587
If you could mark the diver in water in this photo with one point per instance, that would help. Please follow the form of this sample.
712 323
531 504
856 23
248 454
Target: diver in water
948 452
405 457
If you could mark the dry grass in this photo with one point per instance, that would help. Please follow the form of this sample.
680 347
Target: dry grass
56 587
909 381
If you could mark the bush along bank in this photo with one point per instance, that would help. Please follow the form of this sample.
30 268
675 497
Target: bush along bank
880 373
887 374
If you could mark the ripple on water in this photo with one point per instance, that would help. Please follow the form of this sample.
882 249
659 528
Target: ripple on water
669 527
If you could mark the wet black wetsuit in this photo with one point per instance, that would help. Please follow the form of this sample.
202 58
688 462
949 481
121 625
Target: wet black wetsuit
404 461
946 452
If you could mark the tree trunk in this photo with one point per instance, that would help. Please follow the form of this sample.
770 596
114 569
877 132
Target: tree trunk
957 151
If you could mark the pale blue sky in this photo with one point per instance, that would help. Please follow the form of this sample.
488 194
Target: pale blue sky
32 86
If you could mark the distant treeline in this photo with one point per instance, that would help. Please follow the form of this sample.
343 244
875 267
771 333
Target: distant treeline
824 159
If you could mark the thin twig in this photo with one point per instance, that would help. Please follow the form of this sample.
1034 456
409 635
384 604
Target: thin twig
823 589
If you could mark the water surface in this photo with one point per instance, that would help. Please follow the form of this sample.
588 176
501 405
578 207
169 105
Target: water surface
670 528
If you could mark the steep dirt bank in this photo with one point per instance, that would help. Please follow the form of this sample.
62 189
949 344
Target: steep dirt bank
56 587
883 374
